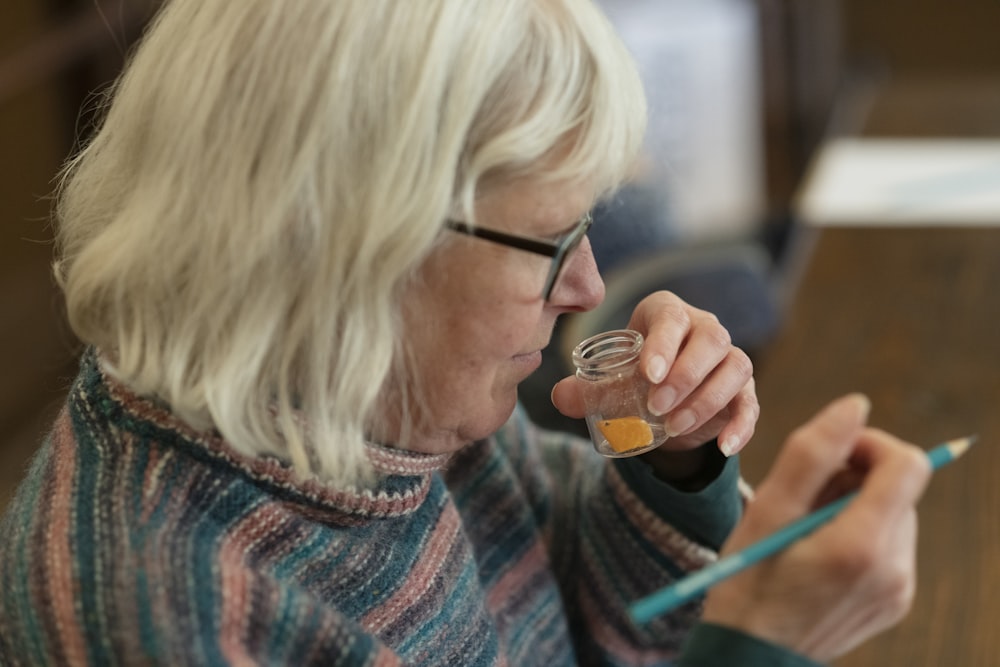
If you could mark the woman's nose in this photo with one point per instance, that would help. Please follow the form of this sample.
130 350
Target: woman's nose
579 286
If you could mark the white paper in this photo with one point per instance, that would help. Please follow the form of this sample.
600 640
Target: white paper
904 182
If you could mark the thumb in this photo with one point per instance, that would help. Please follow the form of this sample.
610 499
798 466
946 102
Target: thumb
815 452
567 397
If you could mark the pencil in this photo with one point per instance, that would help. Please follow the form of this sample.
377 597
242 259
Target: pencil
676 594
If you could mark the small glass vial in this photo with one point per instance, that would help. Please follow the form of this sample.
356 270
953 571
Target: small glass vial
615 393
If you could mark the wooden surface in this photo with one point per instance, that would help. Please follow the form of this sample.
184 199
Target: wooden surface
911 317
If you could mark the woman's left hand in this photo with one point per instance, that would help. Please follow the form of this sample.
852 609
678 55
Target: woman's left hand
703 386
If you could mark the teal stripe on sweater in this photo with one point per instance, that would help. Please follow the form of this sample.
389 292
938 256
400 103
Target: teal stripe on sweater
88 533
17 574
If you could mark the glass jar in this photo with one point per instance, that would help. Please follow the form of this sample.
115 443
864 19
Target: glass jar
615 393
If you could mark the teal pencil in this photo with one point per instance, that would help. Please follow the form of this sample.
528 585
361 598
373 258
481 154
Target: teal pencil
671 597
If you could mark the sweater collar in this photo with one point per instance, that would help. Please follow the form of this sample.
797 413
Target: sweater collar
403 482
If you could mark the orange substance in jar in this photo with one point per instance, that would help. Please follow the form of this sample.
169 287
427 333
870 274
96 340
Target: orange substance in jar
626 433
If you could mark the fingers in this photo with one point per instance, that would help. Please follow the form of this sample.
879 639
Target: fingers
664 320
567 397
731 378
814 454
683 347
870 548
897 474
744 411
702 386
733 425
834 453
694 367
855 575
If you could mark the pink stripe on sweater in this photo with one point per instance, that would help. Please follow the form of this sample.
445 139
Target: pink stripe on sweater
63 587
605 634
235 609
152 482
236 584
423 575
386 658
503 593
687 554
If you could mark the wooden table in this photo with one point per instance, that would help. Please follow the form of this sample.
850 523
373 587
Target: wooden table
911 317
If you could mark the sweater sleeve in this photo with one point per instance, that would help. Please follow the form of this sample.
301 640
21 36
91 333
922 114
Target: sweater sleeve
706 516
614 536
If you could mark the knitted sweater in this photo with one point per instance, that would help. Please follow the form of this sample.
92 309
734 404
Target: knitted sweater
136 540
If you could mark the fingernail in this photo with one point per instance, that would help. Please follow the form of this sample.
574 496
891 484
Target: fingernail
729 446
657 369
662 400
680 423
864 404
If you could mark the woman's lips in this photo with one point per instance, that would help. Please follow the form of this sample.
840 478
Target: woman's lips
531 360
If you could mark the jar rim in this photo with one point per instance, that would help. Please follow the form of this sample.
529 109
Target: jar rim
608 351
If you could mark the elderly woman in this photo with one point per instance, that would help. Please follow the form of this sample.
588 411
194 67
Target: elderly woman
312 250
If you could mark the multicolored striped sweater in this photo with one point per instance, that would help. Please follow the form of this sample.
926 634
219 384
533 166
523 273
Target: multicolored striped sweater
136 540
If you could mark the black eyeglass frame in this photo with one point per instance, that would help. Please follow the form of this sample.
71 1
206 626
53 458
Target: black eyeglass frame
557 251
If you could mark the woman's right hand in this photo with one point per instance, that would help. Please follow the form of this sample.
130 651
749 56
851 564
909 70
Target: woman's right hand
853 577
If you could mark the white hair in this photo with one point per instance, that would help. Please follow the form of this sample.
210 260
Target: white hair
269 175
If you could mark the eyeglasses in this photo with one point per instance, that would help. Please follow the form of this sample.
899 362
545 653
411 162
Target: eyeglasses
558 250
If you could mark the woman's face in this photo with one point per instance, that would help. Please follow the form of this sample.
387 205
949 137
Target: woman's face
475 319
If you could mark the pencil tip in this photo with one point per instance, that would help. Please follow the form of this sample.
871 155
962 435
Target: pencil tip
960 446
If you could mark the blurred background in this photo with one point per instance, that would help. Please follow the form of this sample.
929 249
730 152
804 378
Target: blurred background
743 93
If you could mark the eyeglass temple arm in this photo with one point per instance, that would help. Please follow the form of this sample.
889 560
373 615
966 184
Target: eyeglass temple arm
539 247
